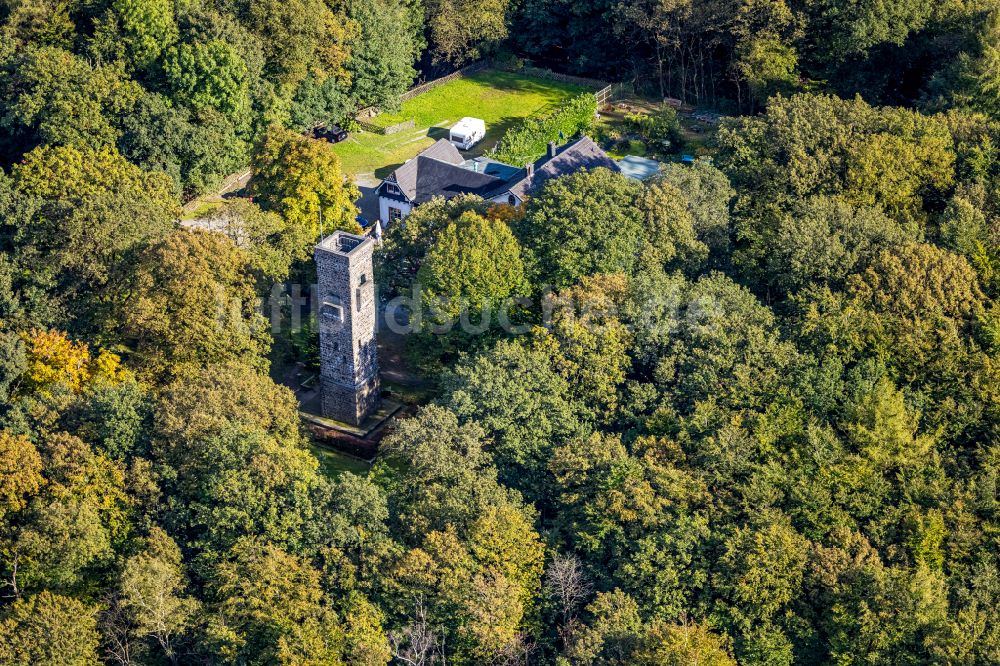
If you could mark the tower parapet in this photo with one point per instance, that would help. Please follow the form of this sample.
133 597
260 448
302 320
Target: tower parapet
347 321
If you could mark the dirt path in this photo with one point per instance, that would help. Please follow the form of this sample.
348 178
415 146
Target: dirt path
232 184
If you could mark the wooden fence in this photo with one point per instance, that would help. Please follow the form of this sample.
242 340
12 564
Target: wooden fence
604 96
399 127
421 88
541 73
606 92
386 131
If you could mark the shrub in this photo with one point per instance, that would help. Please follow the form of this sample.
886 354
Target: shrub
527 141
630 147
507 61
662 129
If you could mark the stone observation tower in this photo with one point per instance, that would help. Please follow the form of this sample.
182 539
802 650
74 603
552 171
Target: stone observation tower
347 319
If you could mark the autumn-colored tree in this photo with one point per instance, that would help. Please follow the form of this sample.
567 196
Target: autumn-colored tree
49 630
192 302
234 393
752 417
54 359
20 472
271 609
301 179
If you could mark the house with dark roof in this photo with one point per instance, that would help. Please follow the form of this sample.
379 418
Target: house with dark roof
441 171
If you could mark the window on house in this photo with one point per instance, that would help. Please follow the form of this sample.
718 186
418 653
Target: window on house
391 188
395 214
364 278
511 199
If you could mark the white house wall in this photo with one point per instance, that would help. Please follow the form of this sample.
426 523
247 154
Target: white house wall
383 208
385 202
504 199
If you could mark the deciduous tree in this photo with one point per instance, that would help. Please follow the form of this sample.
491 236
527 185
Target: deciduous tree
389 42
473 265
479 27
583 224
83 216
301 179
49 630
191 302
152 588
140 30
21 475
522 403
271 609
207 75
54 96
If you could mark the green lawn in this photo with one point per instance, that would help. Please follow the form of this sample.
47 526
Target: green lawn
200 208
499 98
333 463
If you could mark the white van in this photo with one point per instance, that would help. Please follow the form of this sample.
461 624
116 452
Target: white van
467 133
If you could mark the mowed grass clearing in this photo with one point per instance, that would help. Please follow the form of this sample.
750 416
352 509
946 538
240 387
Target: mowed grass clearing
334 463
499 98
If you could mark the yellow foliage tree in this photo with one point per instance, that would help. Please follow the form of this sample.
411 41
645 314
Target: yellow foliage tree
301 179
54 359
20 472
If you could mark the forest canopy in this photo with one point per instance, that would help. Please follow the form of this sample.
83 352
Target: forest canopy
747 412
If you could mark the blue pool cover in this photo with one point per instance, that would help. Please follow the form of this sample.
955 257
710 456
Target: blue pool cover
640 168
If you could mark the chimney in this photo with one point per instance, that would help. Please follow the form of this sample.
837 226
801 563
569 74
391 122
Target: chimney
530 169
552 149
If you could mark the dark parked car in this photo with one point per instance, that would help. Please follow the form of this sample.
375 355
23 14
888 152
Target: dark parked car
333 133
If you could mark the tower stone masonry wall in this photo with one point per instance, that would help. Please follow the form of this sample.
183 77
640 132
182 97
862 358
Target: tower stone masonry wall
347 322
